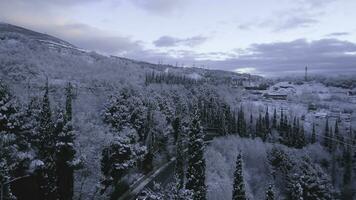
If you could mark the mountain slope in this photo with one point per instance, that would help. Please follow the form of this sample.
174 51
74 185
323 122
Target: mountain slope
28 59
26 55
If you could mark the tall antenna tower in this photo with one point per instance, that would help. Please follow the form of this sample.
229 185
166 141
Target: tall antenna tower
306 73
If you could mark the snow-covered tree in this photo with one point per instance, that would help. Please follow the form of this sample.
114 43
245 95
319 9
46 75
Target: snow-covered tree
274 121
313 136
5 176
267 120
8 126
238 191
327 135
65 150
121 155
179 168
15 146
295 188
300 140
313 182
126 109
338 138
46 143
196 161
241 123
270 192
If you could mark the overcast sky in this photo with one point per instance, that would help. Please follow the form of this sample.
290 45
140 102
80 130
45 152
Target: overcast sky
266 37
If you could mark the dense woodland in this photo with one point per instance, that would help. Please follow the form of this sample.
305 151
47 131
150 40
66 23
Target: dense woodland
39 156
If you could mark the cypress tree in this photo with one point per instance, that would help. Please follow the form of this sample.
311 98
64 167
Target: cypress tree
332 143
347 192
313 136
47 139
259 126
238 192
251 127
7 147
175 126
294 133
274 121
267 122
326 134
242 123
65 150
196 161
301 138
179 168
337 134
347 159
281 122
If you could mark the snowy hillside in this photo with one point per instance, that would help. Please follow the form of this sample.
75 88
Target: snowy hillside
28 59
81 125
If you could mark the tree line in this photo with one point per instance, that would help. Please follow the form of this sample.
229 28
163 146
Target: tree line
37 157
169 78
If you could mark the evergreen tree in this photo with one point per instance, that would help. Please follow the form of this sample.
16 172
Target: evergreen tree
294 133
274 121
176 125
179 168
7 140
270 193
296 192
267 121
300 142
5 176
239 192
314 182
196 161
347 159
337 135
14 141
47 141
122 154
347 192
126 110
252 133
332 142
281 122
313 136
241 123
326 135
259 131
65 150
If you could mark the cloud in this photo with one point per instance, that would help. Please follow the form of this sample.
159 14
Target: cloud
312 4
168 41
326 55
336 34
282 21
294 22
160 6
91 38
299 14
50 2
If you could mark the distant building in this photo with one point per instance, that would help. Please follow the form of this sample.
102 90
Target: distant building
351 93
312 107
275 96
320 115
352 99
346 118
